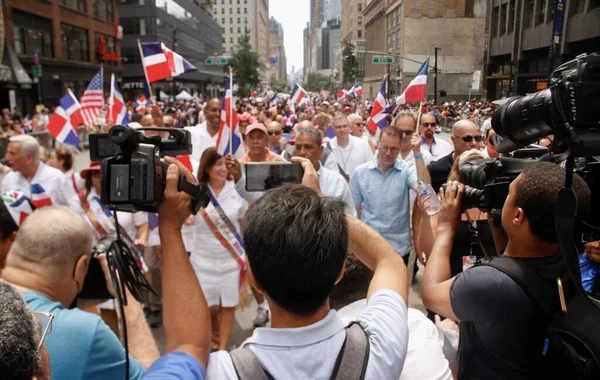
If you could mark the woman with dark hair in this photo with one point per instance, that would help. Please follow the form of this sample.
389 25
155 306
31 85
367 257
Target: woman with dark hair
218 255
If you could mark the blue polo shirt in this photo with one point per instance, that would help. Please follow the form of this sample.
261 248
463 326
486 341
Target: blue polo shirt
385 200
175 366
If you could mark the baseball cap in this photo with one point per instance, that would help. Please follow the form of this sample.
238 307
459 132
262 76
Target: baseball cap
245 116
254 126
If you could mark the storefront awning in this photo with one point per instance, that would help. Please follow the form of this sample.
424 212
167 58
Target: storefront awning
18 75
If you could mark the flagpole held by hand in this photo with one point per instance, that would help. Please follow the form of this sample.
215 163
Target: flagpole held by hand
230 111
144 67
419 118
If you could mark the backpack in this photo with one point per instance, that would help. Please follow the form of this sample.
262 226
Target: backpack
351 362
571 343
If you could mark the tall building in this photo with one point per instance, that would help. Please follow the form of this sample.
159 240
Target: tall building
520 33
306 57
70 38
375 34
190 25
353 30
277 58
414 28
237 16
331 9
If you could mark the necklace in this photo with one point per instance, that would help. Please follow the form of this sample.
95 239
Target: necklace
345 161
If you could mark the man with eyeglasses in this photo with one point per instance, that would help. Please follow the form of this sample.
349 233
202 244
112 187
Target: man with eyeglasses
465 136
349 151
438 148
275 131
380 189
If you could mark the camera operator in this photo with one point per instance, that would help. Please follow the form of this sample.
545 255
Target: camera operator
48 263
501 330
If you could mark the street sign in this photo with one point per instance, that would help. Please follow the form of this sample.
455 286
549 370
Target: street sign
383 59
216 61
36 71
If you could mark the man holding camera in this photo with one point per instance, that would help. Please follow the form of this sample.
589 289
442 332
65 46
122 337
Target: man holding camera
501 331
49 266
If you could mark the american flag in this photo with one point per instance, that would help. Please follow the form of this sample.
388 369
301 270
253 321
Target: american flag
92 100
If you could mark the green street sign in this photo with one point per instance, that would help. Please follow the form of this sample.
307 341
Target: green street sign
216 61
36 71
383 60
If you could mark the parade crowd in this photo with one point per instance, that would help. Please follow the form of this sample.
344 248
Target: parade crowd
329 261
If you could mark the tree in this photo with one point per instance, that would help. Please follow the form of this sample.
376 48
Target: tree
315 82
278 85
349 64
246 65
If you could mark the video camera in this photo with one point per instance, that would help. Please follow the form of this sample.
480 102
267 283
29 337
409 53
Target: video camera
569 110
133 176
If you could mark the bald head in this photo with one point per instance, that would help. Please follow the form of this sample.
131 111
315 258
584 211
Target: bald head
146 120
465 136
305 124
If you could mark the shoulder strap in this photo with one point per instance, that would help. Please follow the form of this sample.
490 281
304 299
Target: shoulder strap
326 153
540 293
246 366
351 363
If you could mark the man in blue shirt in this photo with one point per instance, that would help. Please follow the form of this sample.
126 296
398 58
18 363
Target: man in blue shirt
381 187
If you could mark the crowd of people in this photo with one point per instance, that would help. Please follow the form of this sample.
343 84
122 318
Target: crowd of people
329 261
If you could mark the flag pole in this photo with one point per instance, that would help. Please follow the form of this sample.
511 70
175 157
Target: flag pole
419 118
111 97
230 111
144 67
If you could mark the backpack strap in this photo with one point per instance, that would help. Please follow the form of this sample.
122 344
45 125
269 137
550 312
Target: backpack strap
543 295
246 366
351 363
326 153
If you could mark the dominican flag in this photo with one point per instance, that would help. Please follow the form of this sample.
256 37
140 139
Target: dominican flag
342 93
27 124
39 198
67 117
273 101
417 88
18 205
391 108
116 105
160 62
378 114
298 93
356 90
141 104
230 138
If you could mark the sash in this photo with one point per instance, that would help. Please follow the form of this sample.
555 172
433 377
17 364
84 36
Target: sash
226 233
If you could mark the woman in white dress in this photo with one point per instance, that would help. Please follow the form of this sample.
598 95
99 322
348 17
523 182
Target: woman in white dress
217 254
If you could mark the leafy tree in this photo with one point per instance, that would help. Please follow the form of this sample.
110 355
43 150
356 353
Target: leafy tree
349 64
315 82
278 85
246 65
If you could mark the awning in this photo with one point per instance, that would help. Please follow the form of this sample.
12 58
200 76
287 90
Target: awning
18 74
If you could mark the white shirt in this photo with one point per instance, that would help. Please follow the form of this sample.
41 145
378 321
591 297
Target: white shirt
430 350
49 190
438 149
333 185
356 153
373 138
310 352
201 140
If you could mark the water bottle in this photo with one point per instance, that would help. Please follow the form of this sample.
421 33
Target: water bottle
429 199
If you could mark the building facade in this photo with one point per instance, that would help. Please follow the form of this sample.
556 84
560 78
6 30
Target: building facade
237 16
70 38
277 58
520 33
182 25
375 37
352 29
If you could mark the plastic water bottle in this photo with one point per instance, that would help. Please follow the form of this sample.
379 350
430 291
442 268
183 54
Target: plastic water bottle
429 199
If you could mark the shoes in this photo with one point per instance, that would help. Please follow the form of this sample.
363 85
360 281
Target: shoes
155 319
261 318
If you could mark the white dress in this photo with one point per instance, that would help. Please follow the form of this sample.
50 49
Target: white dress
217 271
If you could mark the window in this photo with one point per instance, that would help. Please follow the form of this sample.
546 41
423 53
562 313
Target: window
239 11
594 4
503 19
239 30
360 33
223 21
130 55
238 20
245 20
222 11
223 40
360 7
541 17
359 19
389 42
231 39
231 20
230 2
222 2
230 30
230 11
245 11
135 26
494 26
76 5
528 16
32 33
74 43
511 16
103 10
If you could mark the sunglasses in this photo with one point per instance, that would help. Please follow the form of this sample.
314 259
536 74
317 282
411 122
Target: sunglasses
427 125
469 138
495 140
406 132
271 133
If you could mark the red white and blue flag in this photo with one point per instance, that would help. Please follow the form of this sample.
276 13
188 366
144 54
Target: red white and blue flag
18 205
378 115
141 104
67 117
298 93
273 101
356 90
160 62
230 138
27 124
92 100
117 111
39 198
342 93
417 88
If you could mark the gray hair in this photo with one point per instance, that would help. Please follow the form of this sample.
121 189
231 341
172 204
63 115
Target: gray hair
310 132
405 113
29 145
19 336
354 118
50 251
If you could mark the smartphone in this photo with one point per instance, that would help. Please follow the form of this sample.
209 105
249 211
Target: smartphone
262 176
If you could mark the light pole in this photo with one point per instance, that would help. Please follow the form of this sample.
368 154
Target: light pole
174 48
435 75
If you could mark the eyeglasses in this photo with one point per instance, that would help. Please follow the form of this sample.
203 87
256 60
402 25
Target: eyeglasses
391 149
271 133
427 125
46 322
469 138
495 140
406 132
340 127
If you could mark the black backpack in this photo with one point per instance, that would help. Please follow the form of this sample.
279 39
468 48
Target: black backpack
570 347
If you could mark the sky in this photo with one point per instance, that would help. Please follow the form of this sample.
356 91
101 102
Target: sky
293 16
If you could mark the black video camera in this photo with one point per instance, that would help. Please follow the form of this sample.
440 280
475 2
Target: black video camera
133 176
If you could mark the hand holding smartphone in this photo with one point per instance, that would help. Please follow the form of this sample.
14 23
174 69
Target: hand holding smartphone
262 176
